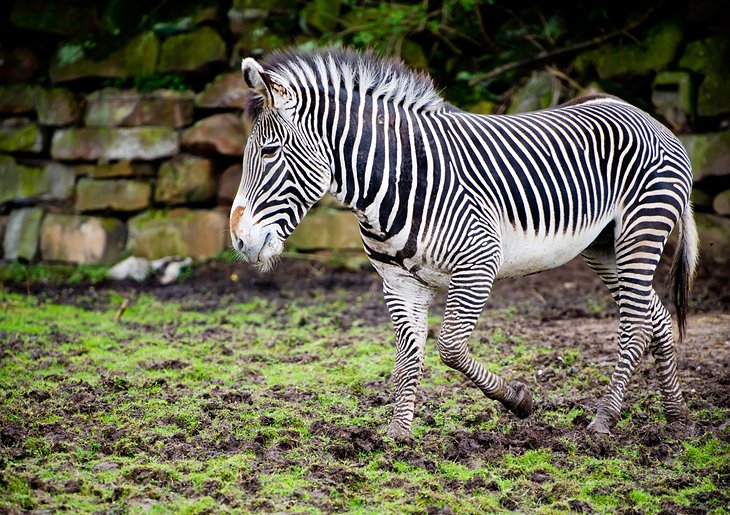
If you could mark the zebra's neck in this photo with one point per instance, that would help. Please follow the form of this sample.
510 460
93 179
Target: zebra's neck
379 159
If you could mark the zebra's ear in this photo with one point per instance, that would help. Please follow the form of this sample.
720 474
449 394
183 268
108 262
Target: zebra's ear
257 80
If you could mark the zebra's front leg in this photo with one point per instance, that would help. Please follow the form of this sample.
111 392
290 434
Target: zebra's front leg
468 292
408 302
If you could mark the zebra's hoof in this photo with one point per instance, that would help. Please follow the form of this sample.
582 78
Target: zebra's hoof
399 433
522 405
600 426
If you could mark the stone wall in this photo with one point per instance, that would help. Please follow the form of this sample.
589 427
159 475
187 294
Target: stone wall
92 170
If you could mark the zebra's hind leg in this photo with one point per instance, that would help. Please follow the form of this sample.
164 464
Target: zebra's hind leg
662 348
408 302
601 258
636 259
468 292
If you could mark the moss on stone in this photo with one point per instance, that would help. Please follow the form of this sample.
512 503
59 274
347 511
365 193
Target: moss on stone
657 50
188 52
28 138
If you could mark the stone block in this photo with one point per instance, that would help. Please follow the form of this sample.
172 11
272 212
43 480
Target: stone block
116 194
82 239
199 234
326 229
221 133
21 234
654 52
137 57
57 107
192 51
708 153
225 91
709 57
185 179
18 136
19 183
714 233
107 143
672 95
721 203
118 169
18 98
116 108
228 183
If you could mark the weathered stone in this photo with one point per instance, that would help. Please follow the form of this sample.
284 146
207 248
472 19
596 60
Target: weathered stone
82 239
18 98
112 108
21 235
21 137
672 96
326 229
137 57
3 225
119 195
118 169
221 133
92 143
654 52
191 51
62 18
708 153
542 90
721 203
185 179
228 183
56 107
710 58
225 91
714 233
178 232
17 64
19 183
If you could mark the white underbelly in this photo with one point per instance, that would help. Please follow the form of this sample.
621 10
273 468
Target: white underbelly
525 254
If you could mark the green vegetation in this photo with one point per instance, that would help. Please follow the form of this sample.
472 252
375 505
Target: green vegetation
271 406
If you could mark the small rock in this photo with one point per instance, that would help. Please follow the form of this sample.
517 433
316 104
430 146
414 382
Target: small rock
173 270
136 268
105 466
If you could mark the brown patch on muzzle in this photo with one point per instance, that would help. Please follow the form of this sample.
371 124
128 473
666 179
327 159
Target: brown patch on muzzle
236 215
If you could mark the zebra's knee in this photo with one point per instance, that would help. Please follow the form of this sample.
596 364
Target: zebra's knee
454 357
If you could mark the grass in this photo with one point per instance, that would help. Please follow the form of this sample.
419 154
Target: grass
266 406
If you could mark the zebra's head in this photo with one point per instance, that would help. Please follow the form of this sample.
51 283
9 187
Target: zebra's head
286 168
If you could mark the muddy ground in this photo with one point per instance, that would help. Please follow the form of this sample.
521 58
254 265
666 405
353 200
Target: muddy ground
548 330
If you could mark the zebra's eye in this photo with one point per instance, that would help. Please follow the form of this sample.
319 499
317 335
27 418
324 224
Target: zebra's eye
270 150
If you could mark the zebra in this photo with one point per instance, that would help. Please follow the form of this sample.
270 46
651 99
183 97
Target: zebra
446 199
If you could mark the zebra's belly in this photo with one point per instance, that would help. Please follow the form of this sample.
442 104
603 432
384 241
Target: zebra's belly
526 253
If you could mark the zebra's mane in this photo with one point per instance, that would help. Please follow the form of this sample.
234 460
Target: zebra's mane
365 72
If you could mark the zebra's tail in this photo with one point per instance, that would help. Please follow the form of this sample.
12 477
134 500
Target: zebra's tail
684 265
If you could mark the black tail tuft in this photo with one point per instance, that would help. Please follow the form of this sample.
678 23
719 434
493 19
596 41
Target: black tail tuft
683 268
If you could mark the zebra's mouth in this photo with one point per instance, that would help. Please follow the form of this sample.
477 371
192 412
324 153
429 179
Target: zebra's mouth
268 256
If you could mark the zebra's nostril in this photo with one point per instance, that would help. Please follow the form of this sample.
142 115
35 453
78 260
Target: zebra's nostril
238 244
